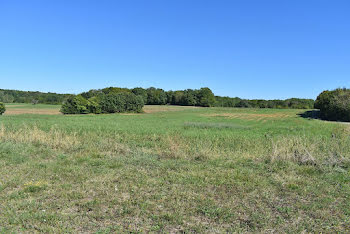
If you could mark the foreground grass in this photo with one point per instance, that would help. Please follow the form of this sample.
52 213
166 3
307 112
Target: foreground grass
174 169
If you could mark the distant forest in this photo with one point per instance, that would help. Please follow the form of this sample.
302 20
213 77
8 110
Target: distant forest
154 96
16 96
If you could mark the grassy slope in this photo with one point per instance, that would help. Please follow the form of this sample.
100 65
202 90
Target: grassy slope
197 169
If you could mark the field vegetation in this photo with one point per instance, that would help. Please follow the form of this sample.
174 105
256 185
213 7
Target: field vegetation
173 169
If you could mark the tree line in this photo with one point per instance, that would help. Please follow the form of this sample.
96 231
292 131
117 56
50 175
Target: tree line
16 96
203 97
115 99
292 103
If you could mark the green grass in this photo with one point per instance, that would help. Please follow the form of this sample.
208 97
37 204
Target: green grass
178 169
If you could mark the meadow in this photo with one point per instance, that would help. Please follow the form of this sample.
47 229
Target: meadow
173 169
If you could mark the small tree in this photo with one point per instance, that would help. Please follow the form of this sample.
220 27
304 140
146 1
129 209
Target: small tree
205 97
2 108
75 105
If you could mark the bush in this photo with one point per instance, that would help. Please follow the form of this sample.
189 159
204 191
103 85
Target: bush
113 103
75 105
334 105
121 102
2 108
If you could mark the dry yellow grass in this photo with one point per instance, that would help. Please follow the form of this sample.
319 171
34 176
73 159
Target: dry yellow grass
55 138
154 109
14 111
19 110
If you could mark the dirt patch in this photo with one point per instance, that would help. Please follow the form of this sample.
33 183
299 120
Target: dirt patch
32 111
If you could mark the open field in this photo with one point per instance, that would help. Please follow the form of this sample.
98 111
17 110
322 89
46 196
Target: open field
20 108
173 169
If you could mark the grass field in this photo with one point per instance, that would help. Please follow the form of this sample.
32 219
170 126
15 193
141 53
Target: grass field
173 169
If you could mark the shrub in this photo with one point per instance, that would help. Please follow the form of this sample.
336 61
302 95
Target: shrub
113 103
121 102
334 105
75 105
2 108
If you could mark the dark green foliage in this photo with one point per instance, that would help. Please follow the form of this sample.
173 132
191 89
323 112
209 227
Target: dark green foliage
121 102
2 108
293 103
133 103
190 98
243 103
140 92
334 105
112 102
15 96
115 90
75 105
91 93
94 105
156 96
206 97
226 101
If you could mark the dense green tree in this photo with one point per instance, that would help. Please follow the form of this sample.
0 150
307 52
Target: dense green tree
189 98
133 103
75 105
226 101
140 92
2 108
94 105
11 96
205 97
121 102
156 96
112 103
334 105
243 103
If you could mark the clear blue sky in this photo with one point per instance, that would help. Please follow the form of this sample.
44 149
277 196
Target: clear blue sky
247 48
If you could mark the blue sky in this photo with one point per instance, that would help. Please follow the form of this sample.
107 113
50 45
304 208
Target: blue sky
246 48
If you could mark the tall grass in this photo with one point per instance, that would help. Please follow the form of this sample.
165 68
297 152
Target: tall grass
184 170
